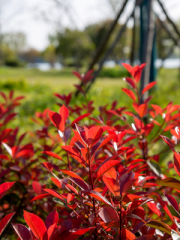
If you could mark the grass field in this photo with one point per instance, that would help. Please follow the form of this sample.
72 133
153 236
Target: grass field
38 88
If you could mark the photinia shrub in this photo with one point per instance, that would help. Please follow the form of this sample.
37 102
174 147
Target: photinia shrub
4 187
101 179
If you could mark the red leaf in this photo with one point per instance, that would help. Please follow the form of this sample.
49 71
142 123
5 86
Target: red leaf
85 154
126 234
148 99
136 107
128 67
111 225
19 98
130 81
106 166
48 166
129 93
112 185
157 109
56 182
40 196
93 134
154 208
173 202
9 117
73 152
52 154
64 113
108 214
36 225
168 141
4 96
11 93
128 139
2 156
173 108
88 76
4 222
137 71
80 118
54 193
142 109
24 153
69 187
37 187
75 234
79 88
149 86
165 208
77 74
80 136
105 140
126 181
52 231
4 187
71 174
5 133
70 197
51 219
97 196
177 163
80 183
22 231
55 119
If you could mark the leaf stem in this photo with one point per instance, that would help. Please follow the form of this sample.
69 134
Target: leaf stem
120 220
159 129
92 186
69 165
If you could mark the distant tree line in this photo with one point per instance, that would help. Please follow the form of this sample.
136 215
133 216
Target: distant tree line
72 47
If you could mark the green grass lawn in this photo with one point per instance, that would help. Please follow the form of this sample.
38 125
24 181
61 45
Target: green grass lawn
38 88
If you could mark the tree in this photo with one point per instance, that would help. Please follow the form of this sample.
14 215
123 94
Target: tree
75 45
32 55
14 41
49 53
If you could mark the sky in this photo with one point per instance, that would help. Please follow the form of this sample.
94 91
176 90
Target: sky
39 18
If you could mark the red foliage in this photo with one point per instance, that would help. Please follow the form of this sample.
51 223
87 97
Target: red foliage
107 180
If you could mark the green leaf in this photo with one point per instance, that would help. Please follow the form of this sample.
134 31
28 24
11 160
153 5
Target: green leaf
59 202
169 182
159 225
154 166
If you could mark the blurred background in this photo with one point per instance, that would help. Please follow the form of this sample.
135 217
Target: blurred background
55 33
42 42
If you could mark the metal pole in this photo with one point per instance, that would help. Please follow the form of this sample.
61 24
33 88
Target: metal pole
105 39
133 39
169 19
148 45
110 49
170 33
108 53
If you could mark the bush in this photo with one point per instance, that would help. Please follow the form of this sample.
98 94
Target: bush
109 179
9 84
13 62
116 72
